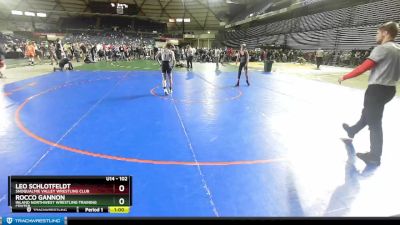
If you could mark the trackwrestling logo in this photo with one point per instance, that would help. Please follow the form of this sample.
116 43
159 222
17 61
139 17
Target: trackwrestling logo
34 220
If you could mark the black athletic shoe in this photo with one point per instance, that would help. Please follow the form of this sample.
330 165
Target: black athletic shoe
346 127
248 83
369 159
237 84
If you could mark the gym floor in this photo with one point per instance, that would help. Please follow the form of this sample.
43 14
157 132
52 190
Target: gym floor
210 149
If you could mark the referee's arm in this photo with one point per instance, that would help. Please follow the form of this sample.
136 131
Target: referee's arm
158 57
173 59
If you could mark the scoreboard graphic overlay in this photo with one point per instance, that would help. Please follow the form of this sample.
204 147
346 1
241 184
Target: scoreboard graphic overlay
75 194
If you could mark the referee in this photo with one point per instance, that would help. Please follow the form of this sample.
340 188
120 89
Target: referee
384 62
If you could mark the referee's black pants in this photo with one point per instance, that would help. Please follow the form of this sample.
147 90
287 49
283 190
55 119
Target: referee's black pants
376 96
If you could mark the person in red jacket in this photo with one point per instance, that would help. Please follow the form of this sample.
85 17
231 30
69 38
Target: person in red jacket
384 63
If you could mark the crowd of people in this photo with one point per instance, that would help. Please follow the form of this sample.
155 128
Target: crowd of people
348 58
93 46
329 57
90 47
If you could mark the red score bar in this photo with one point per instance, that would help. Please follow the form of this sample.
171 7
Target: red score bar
71 185
79 189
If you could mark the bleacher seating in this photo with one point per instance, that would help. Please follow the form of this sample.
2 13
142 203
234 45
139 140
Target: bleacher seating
346 28
108 23
109 38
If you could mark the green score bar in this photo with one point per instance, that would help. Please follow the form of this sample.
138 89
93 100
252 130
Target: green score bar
82 194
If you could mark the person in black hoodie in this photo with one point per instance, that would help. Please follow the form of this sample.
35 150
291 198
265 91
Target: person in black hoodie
59 50
64 62
93 53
